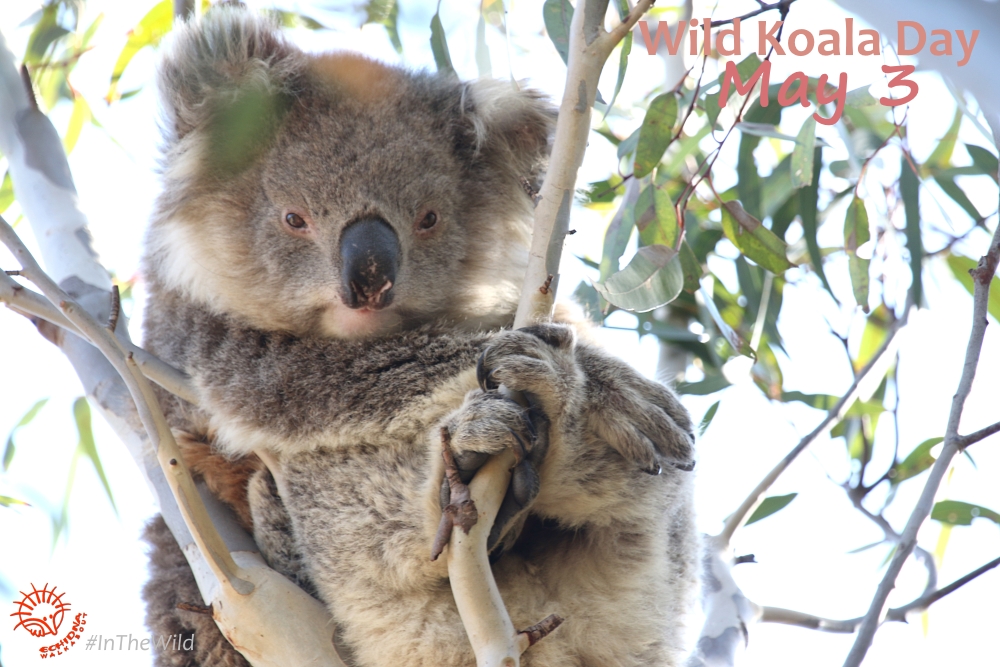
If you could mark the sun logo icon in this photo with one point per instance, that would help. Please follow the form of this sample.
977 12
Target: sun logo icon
40 612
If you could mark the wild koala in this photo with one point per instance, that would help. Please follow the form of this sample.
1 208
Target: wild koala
335 253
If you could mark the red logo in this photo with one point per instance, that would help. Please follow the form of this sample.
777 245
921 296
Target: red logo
41 612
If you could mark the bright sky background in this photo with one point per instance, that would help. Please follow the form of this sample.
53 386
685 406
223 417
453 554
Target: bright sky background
802 551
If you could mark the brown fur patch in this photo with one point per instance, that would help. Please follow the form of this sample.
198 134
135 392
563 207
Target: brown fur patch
225 477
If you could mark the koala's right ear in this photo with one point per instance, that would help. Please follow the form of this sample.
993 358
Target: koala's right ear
212 62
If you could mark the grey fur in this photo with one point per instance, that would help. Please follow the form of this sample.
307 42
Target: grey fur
351 404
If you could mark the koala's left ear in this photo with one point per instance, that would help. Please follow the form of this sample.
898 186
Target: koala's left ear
509 129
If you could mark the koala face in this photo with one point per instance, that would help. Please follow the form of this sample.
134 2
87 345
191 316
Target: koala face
337 196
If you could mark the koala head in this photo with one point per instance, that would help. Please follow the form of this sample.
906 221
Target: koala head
334 195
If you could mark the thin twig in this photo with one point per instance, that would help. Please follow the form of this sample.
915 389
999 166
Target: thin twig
739 517
964 441
780 6
897 614
982 277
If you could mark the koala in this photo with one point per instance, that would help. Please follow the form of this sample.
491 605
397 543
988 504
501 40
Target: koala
335 259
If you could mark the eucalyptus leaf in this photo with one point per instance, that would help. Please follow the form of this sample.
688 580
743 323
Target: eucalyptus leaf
753 239
917 461
909 188
558 16
770 505
960 267
439 46
655 134
652 279
706 421
958 513
802 154
983 159
9 447
86 446
157 22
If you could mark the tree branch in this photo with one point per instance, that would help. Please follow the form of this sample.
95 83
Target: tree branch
982 276
898 614
983 433
740 516
764 7
27 302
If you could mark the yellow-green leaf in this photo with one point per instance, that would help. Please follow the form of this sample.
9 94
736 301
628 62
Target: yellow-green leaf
770 505
802 154
81 114
149 31
753 239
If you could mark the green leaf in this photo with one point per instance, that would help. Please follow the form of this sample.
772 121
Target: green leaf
658 222
941 155
386 13
149 31
818 401
808 202
909 188
587 297
857 233
619 232
6 193
732 336
81 414
439 46
653 278
47 31
802 154
602 192
7 501
706 421
764 130
81 114
960 266
958 196
770 505
622 66
691 268
483 64
296 20
709 385
8 450
753 239
860 98
558 15
766 372
628 144
655 134
917 461
983 159
961 514
874 334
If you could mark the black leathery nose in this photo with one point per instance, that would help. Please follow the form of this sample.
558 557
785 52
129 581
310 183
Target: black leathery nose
370 255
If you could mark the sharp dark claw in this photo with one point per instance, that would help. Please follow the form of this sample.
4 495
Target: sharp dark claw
686 466
655 470
486 383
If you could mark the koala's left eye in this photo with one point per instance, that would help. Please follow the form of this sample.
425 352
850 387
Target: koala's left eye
429 220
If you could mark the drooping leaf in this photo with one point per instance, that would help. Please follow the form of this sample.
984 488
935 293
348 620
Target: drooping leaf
808 202
587 297
86 446
802 154
439 46
622 66
628 144
860 97
958 513
766 372
386 13
958 195
940 157
653 278
706 421
691 267
917 461
909 188
619 231
657 221
46 31
81 114
7 501
482 50
770 505
857 233
746 69
874 334
9 448
558 15
655 134
818 401
764 130
753 239
733 337
983 159
6 192
960 267
149 31
709 385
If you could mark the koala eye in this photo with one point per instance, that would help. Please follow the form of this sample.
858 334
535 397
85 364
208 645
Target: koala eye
295 221
429 220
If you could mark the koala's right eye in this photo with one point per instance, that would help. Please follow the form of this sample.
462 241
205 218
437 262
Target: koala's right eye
298 223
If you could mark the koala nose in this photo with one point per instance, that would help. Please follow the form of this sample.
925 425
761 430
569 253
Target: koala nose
369 254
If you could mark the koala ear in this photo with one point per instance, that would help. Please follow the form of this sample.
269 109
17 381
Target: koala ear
508 128
213 61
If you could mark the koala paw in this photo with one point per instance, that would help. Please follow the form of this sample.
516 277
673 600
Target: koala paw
643 420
